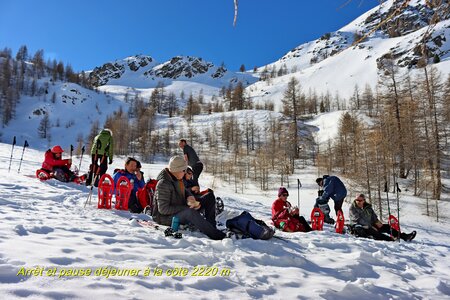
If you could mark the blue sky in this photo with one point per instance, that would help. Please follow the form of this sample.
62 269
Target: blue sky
88 33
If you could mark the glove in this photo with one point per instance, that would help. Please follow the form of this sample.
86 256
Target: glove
110 161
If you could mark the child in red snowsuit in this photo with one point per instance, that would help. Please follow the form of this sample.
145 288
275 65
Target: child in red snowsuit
286 217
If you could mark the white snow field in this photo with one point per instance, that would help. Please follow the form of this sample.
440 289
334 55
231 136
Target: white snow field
46 231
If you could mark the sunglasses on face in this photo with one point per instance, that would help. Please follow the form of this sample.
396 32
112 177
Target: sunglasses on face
284 195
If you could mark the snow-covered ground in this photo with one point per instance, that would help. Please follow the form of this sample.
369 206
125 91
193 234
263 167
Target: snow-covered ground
44 225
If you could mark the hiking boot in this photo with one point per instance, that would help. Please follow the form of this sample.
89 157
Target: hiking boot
328 220
219 206
411 236
80 179
148 210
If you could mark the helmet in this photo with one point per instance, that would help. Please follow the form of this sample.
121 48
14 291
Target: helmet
57 149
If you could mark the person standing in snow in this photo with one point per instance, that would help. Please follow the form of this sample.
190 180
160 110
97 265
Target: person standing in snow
173 199
332 187
135 176
286 217
102 146
191 157
59 168
365 223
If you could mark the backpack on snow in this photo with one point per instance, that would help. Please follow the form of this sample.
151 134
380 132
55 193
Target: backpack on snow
250 227
145 195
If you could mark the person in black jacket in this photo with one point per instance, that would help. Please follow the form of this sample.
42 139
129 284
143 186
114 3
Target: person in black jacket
191 157
173 199
365 223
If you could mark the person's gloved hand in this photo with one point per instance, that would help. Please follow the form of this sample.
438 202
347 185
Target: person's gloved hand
110 161
294 210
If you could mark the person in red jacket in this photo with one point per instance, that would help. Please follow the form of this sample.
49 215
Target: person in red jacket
58 168
286 217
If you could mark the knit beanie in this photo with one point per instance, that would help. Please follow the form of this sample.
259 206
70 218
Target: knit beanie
282 190
177 164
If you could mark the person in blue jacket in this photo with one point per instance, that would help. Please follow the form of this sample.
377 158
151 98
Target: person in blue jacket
332 187
135 177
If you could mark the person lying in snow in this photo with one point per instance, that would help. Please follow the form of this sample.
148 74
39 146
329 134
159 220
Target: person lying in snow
56 167
286 217
365 223
173 199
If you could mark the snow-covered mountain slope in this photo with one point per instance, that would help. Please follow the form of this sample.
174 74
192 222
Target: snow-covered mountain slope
44 225
70 116
142 71
331 64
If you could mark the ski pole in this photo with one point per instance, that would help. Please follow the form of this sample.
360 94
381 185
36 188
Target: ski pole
71 151
81 158
299 185
12 151
23 151
389 208
398 190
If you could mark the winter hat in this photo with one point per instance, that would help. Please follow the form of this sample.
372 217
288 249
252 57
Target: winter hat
318 180
56 149
282 190
177 164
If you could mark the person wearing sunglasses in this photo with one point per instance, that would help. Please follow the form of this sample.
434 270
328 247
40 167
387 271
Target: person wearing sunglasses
364 222
173 199
136 178
285 216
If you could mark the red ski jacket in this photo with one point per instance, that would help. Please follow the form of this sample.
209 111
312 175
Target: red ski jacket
281 214
51 162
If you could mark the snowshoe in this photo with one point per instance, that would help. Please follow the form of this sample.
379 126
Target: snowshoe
317 219
340 222
123 191
105 191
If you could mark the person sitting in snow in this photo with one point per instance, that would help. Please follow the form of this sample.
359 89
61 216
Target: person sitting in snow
135 176
286 217
206 197
56 167
332 187
173 199
365 223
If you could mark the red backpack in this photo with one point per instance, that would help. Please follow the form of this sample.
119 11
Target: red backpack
146 194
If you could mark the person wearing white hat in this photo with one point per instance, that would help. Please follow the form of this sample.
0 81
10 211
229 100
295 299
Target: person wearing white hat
173 199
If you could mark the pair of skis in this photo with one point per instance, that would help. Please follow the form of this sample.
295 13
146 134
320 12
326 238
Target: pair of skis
106 190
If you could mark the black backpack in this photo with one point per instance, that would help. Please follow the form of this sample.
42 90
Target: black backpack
250 227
